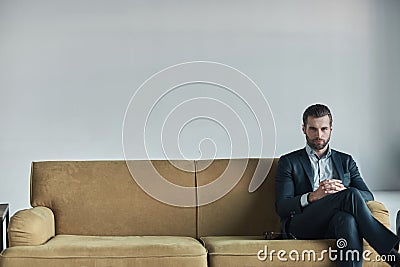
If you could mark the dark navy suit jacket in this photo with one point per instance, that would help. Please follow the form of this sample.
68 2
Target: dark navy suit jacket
294 177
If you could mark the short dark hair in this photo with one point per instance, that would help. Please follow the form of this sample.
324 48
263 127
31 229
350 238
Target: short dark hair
317 111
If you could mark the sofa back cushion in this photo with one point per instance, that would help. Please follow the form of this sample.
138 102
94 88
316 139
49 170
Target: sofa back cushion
239 212
102 198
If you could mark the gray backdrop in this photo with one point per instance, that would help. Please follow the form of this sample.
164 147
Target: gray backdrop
68 70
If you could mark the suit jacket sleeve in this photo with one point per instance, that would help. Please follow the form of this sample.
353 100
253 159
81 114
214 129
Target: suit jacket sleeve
287 203
356 180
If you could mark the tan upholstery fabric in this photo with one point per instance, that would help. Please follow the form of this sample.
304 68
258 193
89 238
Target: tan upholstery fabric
242 251
239 212
67 250
101 198
380 212
31 227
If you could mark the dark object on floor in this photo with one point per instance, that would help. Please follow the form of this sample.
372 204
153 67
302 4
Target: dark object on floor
398 224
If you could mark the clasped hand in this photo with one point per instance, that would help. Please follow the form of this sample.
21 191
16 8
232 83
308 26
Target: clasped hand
326 187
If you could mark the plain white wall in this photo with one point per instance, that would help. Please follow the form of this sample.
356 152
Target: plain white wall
69 68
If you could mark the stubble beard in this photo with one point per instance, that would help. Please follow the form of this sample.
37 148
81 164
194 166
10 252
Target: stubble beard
316 146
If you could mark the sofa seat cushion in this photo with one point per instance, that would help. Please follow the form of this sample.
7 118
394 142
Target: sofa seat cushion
243 250
71 250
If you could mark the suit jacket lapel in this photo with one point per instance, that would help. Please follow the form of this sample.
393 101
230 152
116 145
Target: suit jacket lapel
305 161
337 163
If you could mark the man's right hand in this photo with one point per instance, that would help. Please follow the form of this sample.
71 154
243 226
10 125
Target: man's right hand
326 187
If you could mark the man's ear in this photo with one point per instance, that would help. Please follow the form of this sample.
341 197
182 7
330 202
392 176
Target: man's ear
303 128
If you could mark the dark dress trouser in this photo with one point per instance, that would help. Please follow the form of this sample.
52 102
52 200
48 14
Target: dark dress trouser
343 215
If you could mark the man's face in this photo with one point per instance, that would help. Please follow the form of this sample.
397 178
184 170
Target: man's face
317 132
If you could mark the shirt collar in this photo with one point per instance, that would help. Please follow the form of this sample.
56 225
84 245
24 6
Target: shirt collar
311 152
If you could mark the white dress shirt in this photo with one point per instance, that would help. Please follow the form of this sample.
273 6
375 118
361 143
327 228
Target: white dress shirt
322 169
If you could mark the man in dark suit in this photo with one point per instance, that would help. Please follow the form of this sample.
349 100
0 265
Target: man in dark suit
321 194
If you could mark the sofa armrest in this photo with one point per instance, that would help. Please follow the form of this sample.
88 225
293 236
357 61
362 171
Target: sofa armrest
380 212
31 227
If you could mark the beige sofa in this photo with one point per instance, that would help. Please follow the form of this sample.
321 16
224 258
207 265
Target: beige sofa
92 213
